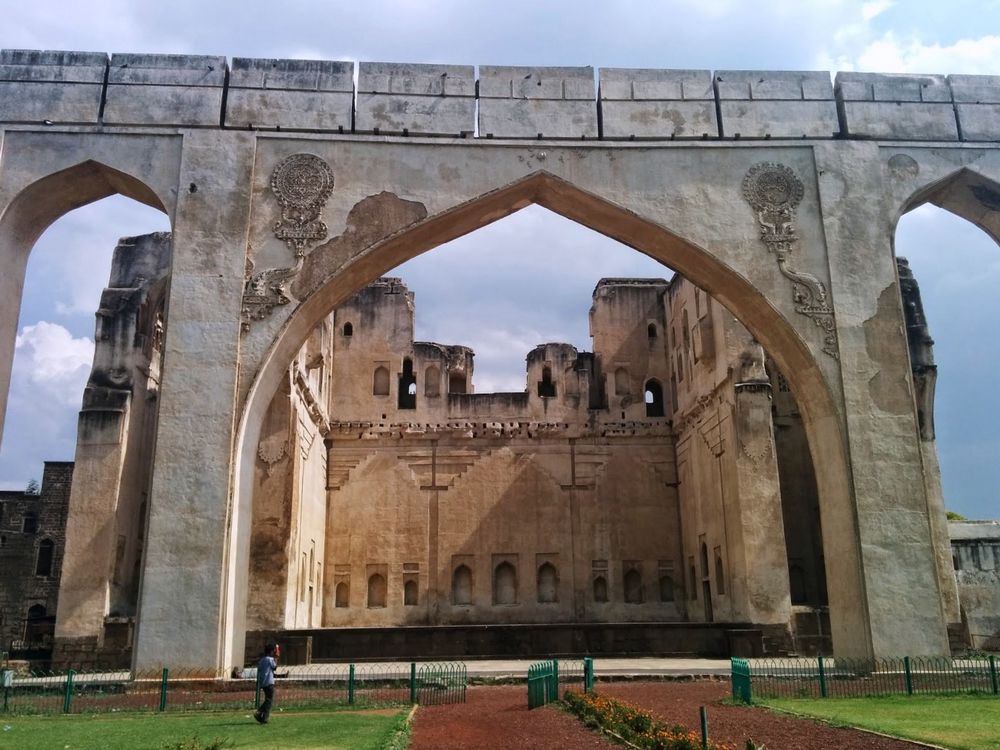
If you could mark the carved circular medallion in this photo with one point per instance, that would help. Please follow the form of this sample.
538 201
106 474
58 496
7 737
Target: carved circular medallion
302 180
772 186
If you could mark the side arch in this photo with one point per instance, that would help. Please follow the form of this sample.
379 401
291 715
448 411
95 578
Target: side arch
821 416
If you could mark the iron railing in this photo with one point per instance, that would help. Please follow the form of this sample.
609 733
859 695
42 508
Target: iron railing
315 685
545 677
825 677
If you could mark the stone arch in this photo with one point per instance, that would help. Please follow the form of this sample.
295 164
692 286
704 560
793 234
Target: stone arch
461 586
30 213
632 581
776 334
504 584
548 583
376 591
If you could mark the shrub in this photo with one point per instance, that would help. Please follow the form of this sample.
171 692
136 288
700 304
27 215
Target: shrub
633 724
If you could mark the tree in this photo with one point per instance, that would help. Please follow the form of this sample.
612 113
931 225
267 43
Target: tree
33 487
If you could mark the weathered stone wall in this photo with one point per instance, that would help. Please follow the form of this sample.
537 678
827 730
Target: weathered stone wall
514 102
26 522
975 549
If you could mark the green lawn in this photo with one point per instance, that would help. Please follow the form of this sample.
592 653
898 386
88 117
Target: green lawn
960 722
350 730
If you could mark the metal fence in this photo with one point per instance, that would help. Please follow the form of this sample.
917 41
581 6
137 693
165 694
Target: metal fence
545 677
316 685
826 677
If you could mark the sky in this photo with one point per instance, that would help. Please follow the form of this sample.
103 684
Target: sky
484 301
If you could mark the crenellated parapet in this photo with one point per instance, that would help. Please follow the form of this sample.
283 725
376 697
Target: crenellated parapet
463 101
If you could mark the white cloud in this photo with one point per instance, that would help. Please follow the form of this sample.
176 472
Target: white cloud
46 354
892 55
875 8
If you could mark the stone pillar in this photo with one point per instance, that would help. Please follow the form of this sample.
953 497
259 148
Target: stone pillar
758 542
185 611
900 603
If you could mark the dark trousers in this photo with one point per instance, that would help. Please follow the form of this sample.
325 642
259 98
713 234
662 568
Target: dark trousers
264 711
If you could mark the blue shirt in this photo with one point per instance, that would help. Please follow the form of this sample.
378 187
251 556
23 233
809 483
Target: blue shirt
265 671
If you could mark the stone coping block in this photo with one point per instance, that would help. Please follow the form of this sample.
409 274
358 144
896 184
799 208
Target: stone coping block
776 104
773 85
883 87
637 103
316 95
404 99
521 102
649 84
896 107
165 90
977 105
53 86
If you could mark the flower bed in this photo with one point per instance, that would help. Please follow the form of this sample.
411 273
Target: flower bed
633 725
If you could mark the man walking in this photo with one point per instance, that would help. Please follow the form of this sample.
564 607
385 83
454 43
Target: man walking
265 680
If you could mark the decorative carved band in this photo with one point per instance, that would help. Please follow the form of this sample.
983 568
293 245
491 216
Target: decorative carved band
774 190
302 184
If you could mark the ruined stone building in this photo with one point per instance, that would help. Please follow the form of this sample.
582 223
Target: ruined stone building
663 478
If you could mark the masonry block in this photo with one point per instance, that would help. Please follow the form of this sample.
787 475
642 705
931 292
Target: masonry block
977 105
167 90
644 103
58 87
397 98
516 102
776 104
896 107
290 94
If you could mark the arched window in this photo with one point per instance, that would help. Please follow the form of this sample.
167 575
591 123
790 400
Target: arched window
621 382
43 563
432 381
461 585
380 382
407 396
36 612
342 595
29 524
302 578
704 560
348 330
410 593
686 331
548 584
692 581
720 580
504 584
600 589
666 588
651 330
633 586
654 398
546 387
376 591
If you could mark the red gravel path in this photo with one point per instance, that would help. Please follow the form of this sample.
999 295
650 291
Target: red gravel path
678 702
497 718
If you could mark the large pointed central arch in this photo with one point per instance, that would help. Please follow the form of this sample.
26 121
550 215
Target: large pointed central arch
818 407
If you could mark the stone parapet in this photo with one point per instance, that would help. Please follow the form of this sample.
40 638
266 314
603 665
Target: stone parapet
552 103
290 95
519 102
776 104
642 103
173 90
63 87
404 99
896 107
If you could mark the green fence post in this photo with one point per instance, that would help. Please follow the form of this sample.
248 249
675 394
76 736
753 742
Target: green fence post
704 727
413 682
350 685
68 694
163 689
555 679
993 675
908 675
822 679
588 675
